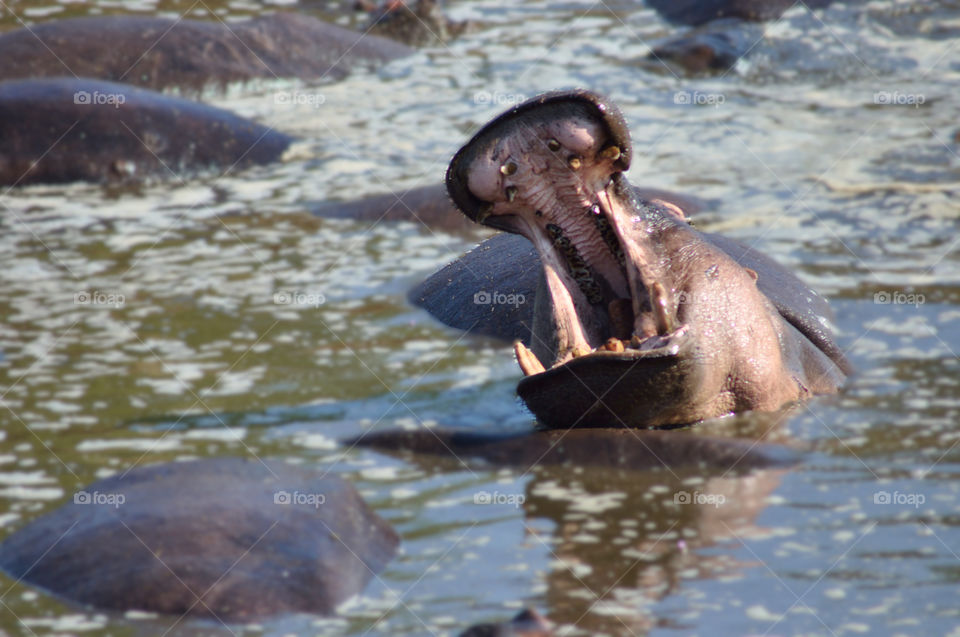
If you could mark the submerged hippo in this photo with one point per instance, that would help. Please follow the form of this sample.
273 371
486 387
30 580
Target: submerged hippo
526 623
63 129
417 24
159 53
637 319
722 33
225 539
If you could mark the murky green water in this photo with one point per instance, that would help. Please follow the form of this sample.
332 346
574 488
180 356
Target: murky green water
216 316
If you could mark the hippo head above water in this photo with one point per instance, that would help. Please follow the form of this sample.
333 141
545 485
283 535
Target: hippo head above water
639 319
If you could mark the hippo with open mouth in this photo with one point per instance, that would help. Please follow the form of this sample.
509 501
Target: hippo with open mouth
638 319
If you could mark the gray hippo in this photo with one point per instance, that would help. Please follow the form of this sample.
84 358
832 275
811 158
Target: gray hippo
226 539
636 318
160 53
63 129
722 32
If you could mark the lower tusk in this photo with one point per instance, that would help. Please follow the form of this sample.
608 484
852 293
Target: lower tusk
529 363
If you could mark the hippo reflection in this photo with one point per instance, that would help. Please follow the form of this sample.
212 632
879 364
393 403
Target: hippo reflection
638 319
224 539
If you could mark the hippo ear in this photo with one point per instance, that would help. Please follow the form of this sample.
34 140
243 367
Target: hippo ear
753 273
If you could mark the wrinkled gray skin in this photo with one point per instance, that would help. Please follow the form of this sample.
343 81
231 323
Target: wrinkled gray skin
160 53
53 132
710 327
208 539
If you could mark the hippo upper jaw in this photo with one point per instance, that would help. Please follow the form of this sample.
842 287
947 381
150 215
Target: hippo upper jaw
551 170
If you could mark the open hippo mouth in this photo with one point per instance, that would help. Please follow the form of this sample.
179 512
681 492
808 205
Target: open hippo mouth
551 170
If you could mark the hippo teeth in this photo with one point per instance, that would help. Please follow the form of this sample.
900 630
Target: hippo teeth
529 363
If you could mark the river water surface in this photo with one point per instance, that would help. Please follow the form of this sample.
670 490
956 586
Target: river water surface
215 315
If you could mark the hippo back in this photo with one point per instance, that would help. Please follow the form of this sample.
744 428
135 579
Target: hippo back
225 538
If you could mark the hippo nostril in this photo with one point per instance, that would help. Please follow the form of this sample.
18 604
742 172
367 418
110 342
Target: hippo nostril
611 152
511 193
574 162
553 145
508 168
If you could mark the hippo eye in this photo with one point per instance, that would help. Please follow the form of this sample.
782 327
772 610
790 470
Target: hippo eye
553 145
508 168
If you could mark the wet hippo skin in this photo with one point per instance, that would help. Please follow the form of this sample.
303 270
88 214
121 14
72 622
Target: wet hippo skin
226 539
636 319
63 129
159 53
